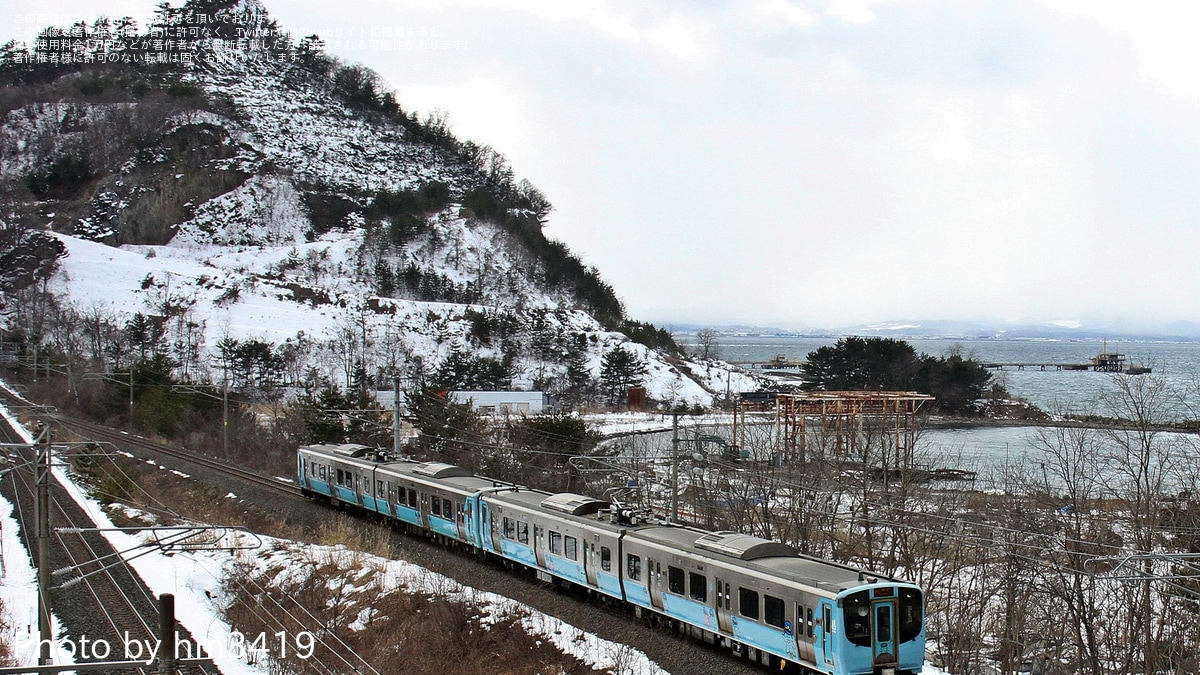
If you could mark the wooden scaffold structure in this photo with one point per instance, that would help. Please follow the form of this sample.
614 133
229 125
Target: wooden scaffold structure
840 417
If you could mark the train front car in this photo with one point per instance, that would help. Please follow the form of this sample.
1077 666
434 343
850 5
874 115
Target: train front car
883 629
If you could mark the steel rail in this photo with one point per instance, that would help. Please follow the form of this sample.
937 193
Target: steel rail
120 437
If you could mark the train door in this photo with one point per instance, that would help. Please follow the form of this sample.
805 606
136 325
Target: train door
485 527
823 634
590 563
723 607
303 475
472 523
539 545
883 637
654 581
460 515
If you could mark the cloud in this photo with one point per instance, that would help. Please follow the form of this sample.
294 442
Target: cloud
853 11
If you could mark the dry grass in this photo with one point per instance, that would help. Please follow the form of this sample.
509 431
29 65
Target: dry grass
395 631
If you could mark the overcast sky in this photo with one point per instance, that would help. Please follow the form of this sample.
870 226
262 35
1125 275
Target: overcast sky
819 164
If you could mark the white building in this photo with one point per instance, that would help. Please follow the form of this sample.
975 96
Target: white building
504 402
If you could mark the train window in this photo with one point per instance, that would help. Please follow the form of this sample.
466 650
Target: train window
412 498
748 603
447 509
675 580
633 567
810 622
698 587
728 597
605 559
379 487
322 472
572 548
910 614
522 532
435 506
883 623
508 530
857 608
555 543
773 611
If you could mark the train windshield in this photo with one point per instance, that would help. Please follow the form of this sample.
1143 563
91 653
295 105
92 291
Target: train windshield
857 608
908 622
910 617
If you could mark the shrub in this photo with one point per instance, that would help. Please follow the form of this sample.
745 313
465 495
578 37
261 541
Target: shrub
63 179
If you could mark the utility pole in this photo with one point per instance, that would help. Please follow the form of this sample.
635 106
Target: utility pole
396 418
42 517
675 466
225 416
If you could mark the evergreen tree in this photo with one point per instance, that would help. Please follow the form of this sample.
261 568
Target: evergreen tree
621 369
888 364
449 431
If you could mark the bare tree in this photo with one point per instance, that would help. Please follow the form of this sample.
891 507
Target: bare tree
706 345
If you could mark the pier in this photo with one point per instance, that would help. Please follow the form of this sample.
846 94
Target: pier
1104 362
1038 366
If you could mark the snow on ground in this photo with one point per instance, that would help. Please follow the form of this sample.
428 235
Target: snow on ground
18 579
623 423
194 579
229 294
388 575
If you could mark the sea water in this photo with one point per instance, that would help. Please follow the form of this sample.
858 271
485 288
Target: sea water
998 454
1082 392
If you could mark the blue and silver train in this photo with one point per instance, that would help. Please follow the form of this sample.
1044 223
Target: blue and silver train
758 597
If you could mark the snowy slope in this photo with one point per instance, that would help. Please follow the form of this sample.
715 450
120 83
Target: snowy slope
243 253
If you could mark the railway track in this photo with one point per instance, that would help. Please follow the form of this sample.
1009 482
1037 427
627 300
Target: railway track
107 606
98 432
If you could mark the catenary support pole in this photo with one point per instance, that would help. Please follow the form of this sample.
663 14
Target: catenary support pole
166 634
674 467
396 418
42 516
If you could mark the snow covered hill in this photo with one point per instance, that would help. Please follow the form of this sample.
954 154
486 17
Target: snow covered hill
246 197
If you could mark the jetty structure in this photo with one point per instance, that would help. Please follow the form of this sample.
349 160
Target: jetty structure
1104 362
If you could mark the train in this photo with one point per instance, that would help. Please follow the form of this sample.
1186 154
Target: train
760 598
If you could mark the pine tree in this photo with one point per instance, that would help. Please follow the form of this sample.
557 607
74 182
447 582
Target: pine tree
621 369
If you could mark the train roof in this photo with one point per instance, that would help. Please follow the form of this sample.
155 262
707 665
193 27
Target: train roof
576 508
438 473
755 553
428 473
341 451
